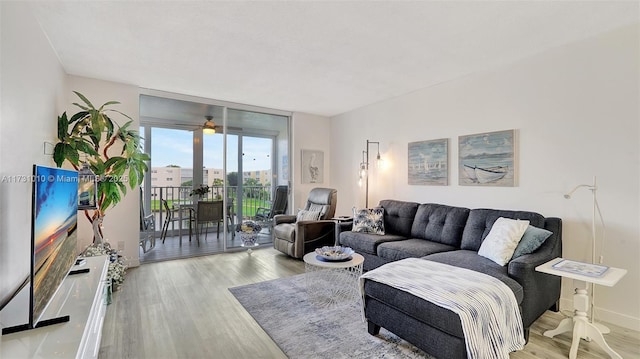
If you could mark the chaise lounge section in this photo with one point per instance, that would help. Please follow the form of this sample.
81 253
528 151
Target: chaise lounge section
453 236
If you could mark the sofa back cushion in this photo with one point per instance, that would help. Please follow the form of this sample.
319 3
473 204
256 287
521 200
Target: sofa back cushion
481 220
398 216
440 223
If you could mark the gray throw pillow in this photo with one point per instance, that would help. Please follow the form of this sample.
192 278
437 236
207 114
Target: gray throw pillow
531 240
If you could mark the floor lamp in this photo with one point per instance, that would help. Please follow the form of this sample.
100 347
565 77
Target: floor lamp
364 170
596 208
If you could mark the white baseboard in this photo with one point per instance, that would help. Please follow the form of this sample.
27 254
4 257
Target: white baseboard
132 262
604 315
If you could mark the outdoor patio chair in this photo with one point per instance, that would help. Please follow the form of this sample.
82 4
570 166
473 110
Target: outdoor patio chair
169 218
264 216
208 212
147 228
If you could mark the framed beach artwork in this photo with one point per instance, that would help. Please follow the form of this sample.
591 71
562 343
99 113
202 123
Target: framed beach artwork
487 159
428 162
312 166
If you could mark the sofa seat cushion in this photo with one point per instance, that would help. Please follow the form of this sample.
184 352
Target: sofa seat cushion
285 231
366 242
411 248
471 260
424 311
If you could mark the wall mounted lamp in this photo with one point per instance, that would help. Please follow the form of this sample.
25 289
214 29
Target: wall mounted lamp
364 169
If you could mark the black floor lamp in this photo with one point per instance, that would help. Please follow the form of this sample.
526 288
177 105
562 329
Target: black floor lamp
364 169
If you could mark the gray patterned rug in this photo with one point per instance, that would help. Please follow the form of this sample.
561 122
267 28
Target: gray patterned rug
304 330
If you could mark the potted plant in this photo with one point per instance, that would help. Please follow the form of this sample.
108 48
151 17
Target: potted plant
113 153
200 191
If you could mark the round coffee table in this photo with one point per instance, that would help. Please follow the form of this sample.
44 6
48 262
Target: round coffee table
332 283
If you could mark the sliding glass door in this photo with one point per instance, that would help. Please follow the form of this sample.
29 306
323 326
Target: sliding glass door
250 164
241 162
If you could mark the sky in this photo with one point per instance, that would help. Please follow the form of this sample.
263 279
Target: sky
175 147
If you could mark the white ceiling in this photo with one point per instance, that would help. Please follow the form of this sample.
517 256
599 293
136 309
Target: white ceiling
323 58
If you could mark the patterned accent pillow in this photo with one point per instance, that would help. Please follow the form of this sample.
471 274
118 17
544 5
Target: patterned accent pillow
305 215
368 220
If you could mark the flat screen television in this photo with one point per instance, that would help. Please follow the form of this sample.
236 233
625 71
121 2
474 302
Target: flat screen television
53 234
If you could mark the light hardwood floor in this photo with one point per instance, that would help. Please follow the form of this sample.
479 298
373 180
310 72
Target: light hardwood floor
182 309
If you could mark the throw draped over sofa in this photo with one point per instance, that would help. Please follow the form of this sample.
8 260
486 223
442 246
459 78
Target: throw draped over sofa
453 236
298 237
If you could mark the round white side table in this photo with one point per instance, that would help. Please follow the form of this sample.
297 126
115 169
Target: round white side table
332 283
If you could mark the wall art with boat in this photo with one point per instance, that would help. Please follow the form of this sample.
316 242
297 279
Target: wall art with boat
487 159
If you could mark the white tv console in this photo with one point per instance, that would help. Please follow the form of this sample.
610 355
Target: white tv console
82 297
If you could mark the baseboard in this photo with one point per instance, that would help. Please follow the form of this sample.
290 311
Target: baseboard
607 316
130 263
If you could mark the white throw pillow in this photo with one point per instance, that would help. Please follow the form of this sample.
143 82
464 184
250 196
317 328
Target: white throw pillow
503 239
322 208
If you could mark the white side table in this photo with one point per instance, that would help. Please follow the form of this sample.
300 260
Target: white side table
580 324
339 220
332 283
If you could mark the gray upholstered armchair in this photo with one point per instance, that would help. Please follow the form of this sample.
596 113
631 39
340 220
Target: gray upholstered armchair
296 238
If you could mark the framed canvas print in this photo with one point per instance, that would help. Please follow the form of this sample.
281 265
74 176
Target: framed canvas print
87 192
428 162
487 159
312 166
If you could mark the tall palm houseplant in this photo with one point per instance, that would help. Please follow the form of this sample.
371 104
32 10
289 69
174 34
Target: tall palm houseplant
113 153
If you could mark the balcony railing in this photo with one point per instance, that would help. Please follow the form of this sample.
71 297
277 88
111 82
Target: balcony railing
252 198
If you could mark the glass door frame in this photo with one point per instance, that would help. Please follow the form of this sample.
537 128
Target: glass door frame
240 170
198 146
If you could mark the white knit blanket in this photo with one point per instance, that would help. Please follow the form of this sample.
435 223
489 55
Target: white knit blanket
488 310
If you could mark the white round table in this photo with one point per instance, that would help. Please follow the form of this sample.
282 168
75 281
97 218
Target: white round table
332 283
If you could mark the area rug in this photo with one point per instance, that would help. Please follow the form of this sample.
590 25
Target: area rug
306 330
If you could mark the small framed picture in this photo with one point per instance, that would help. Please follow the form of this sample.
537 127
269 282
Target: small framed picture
312 166
87 191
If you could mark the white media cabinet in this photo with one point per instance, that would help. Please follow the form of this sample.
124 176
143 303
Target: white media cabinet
82 297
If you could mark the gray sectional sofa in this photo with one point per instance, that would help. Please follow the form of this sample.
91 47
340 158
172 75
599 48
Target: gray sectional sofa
450 235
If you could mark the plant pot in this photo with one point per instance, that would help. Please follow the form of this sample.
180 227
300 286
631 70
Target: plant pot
249 239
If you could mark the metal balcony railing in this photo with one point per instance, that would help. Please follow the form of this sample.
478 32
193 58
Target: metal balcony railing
242 208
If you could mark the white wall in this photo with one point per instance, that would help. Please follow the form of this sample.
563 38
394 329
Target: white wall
309 132
121 226
34 91
32 96
576 112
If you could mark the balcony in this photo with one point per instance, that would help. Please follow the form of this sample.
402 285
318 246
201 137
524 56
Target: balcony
238 208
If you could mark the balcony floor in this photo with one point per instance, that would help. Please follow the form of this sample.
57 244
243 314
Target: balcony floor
171 248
